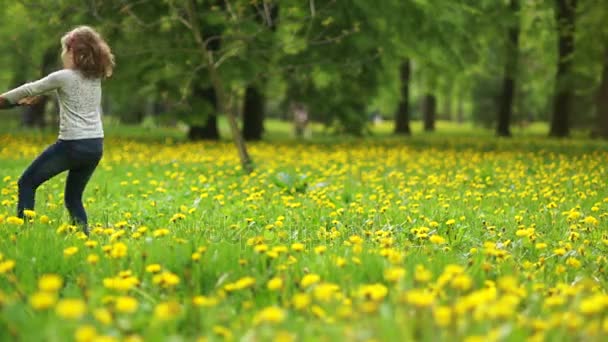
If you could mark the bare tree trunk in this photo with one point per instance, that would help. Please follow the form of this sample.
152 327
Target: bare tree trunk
602 101
223 104
253 114
565 13
505 111
208 131
446 112
460 110
402 117
33 116
429 108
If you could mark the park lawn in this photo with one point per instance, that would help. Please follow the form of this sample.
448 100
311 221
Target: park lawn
435 237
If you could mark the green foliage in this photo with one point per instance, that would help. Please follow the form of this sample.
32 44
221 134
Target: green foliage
340 58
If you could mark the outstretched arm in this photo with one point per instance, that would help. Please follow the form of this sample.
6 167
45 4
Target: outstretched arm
26 101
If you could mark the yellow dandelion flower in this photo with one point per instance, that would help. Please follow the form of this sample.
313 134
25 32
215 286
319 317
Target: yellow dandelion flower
92 259
7 266
222 331
436 239
71 308
203 301
318 311
120 284
50 282
261 248
85 333
422 275
284 336
70 251
374 292
15 221
133 338
320 249
270 314
119 250
301 301
395 274
559 251
29 213
126 304
590 220
196 256
91 243
160 232
591 306
420 298
462 282
103 316
309 280
298 247
442 316
573 262
153 268
275 284
244 283
43 300
167 310
166 279
326 292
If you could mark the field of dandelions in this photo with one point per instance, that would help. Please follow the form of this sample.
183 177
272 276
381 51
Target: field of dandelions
458 239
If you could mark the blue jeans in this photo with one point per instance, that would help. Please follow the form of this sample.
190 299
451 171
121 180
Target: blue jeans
79 157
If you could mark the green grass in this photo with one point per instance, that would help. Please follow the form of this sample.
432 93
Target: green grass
507 236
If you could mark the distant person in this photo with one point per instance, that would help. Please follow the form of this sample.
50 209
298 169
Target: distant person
300 120
377 118
87 60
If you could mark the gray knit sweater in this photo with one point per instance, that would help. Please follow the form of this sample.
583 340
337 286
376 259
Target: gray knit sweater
79 102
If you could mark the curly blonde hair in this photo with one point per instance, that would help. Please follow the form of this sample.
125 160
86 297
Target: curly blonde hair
92 55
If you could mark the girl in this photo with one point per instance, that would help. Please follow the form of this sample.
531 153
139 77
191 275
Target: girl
87 59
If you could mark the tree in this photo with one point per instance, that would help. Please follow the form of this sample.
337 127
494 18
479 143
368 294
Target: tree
429 110
33 116
565 14
508 92
602 100
402 116
253 114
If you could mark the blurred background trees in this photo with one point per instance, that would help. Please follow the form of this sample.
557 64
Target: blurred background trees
344 63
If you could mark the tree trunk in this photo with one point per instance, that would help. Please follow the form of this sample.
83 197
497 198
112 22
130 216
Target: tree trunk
460 110
253 114
565 16
429 108
402 117
602 101
223 103
505 111
33 116
209 131
446 112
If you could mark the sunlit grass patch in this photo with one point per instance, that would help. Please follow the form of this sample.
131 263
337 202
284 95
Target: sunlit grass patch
430 238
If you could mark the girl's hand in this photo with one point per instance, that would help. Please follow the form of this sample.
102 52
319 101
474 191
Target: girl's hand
30 101
5 104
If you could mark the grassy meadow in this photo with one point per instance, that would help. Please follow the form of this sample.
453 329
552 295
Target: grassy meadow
447 236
